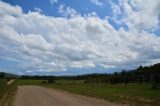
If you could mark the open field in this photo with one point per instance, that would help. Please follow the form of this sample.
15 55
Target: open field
131 94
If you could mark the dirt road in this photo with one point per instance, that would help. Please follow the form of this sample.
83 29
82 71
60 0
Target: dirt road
11 81
41 96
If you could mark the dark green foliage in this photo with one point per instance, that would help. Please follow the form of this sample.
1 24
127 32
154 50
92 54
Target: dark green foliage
2 75
51 79
7 75
44 82
155 81
140 75
6 92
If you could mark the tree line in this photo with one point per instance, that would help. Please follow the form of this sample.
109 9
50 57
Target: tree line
146 74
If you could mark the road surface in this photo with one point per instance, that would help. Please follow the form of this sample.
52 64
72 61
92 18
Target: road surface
41 96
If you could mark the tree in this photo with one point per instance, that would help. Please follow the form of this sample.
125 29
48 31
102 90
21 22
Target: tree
51 79
2 75
140 68
114 78
140 79
124 77
155 81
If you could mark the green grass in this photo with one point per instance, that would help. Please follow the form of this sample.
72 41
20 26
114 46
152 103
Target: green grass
133 93
2 88
6 92
28 82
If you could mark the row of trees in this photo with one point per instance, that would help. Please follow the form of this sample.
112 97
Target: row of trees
147 74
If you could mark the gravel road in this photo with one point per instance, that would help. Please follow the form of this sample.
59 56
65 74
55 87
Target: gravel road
41 96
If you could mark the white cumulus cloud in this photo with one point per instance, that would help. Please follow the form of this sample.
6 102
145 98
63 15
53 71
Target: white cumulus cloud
40 43
97 2
38 10
139 14
66 11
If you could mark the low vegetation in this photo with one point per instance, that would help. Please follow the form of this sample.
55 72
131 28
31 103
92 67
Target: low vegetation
6 92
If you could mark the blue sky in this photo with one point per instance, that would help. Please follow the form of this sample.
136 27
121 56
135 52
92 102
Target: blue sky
82 6
70 37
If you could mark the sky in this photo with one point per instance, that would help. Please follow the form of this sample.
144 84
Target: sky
72 37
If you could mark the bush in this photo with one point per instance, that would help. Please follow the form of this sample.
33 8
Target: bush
2 75
44 82
51 80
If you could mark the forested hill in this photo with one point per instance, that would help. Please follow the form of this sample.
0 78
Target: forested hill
153 69
7 75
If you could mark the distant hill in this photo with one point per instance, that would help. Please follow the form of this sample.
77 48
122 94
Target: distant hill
7 75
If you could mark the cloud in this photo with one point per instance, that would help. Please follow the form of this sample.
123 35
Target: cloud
66 11
38 10
139 14
42 44
53 1
97 2
8 9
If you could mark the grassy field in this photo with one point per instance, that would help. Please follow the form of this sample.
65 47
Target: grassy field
133 94
6 92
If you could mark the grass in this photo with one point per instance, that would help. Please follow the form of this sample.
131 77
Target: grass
2 88
6 92
131 94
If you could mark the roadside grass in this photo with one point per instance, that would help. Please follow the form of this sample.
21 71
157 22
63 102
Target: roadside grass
6 93
133 93
2 88
28 82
